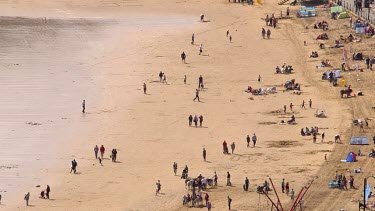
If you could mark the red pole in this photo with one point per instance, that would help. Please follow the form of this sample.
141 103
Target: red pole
271 200
303 194
297 199
277 196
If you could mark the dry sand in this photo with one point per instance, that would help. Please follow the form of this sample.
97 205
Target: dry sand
103 51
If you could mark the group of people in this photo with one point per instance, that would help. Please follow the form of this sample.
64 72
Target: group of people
321 25
264 33
113 155
44 194
342 181
195 120
271 21
225 147
284 69
314 54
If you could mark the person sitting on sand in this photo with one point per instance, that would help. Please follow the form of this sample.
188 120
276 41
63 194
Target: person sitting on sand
278 71
337 138
42 194
202 17
302 132
291 120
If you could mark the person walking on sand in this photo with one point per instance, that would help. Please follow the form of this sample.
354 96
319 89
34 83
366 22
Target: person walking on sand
190 120
254 138
287 188
310 103
192 39
268 33
284 108
209 206
158 188
228 179
287 11
96 150
185 79
259 78
230 38
144 88
161 76
27 198
200 120
175 168
48 190
74 166
195 121
215 178
164 78
200 81
246 185
232 146
323 135
248 140
183 57
303 104
204 154
200 49
291 106
292 195
102 150
206 198
263 33
229 202
196 95
83 106
283 185
227 33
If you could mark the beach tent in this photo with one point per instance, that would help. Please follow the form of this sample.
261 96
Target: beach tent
367 192
343 15
337 9
359 140
305 12
352 157
337 74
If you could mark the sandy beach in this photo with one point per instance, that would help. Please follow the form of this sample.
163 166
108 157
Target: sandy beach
62 52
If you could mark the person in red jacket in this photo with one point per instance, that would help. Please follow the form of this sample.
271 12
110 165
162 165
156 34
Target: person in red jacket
102 150
225 147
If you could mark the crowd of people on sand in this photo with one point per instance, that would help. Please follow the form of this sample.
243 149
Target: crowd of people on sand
198 184
342 181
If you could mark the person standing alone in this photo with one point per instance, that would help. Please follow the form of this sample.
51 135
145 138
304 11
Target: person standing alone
27 198
83 106
48 190
229 202
204 154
